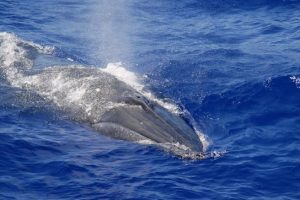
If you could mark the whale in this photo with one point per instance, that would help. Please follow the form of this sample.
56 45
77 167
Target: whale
114 108
92 96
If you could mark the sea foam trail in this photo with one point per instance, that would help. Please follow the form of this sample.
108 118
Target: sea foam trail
76 89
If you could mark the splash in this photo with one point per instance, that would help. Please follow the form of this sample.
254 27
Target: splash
296 80
15 56
111 28
124 75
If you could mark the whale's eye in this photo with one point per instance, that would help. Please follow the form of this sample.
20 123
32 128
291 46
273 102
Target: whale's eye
137 100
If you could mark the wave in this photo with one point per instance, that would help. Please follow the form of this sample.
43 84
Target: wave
227 5
282 90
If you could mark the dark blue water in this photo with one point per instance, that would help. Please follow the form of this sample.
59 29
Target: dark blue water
234 65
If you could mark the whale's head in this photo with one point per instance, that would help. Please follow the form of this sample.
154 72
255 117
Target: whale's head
139 119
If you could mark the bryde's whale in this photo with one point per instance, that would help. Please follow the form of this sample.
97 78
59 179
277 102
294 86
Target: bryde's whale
93 96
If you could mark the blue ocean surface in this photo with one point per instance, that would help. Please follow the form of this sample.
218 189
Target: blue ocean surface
233 65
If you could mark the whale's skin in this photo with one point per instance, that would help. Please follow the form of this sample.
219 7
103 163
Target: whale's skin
95 97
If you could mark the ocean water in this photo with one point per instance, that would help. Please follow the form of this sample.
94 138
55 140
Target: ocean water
232 65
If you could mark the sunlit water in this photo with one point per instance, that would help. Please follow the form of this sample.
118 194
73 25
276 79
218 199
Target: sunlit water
233 65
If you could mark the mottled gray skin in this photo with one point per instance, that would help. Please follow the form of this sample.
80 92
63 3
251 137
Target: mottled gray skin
132 117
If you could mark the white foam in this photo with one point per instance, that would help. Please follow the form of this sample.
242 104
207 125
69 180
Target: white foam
203 138
76 94
12 40
296 80
146 142
117 70
217 154
14 56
